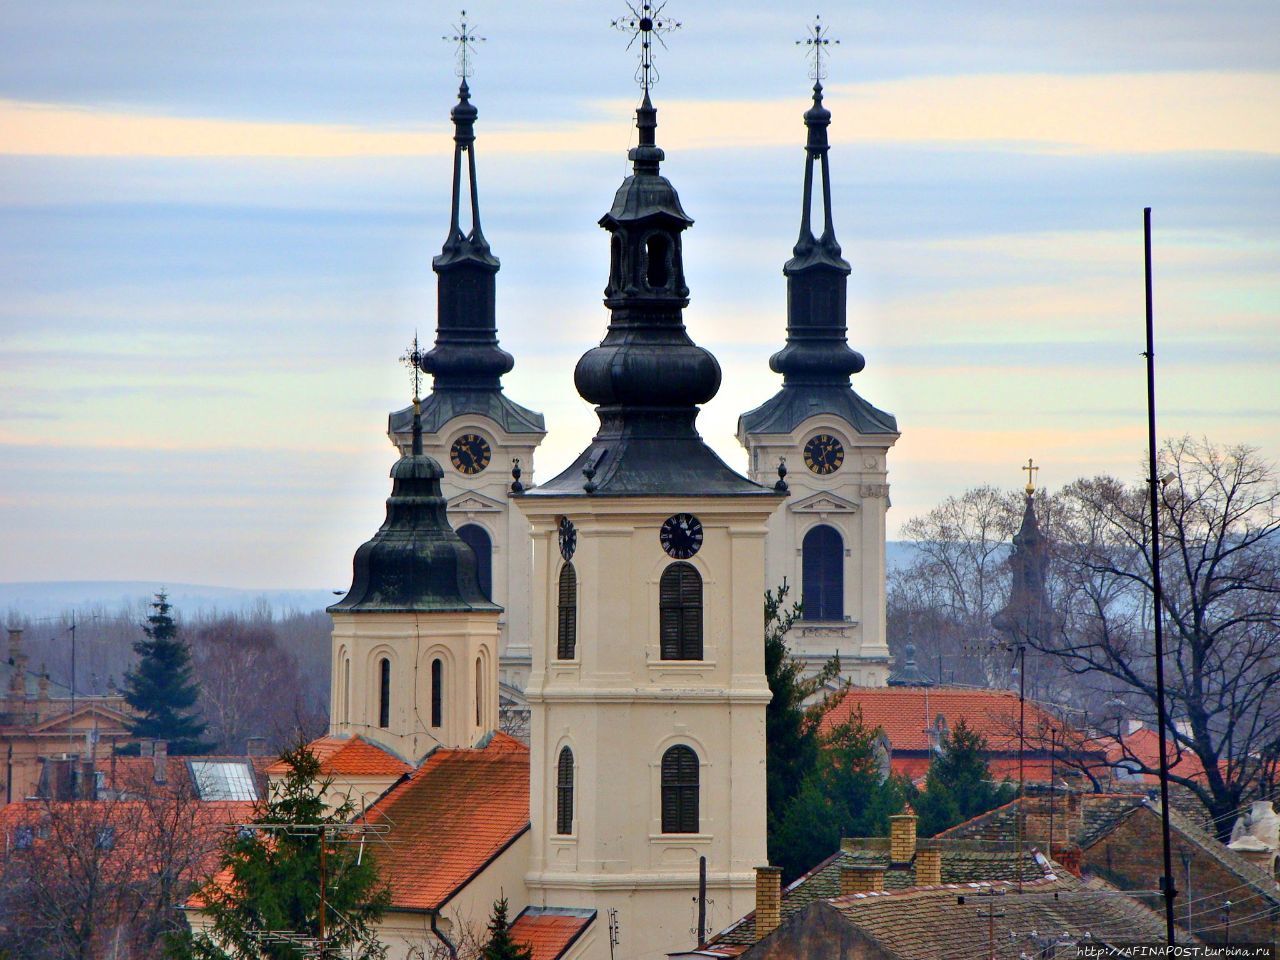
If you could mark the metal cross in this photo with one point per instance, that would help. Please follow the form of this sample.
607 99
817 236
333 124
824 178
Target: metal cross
647 24
465 39
1031 470
413 360
817 42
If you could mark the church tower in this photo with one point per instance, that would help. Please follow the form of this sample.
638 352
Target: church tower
828 543
648 691
470 426
1028 616
415 640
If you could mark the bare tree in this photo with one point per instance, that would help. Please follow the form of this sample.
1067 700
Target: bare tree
1220 545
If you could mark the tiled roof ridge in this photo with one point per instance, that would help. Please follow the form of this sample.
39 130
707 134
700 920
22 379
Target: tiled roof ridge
978 818
1048 880
1219 851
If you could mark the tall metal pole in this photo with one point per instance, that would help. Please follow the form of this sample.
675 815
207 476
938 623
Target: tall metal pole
1166 881
702 902
1022 746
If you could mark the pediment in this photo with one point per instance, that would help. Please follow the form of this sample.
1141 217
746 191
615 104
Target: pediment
823 502
76 722
472 502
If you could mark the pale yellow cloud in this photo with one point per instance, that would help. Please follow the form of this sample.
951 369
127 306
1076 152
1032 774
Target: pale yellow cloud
1123 113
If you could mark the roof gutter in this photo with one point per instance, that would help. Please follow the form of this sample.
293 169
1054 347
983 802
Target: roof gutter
439 935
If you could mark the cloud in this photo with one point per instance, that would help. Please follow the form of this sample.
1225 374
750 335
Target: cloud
1108 113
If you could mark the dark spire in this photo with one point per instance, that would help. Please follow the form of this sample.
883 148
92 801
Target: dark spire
415 562
1028 615
647 377
466 354
817 350
816 362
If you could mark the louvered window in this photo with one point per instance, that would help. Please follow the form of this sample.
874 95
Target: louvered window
680 604
823 574
477 538
384 693
437 692
567 611
680 791
564 793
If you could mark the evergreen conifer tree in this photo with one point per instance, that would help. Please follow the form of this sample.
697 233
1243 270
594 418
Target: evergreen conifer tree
161 689
270 874
501 946
959 784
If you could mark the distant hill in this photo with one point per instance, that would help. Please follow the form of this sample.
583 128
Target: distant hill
51 598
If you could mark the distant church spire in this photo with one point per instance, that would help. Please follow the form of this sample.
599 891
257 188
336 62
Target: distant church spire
647 377
1028 615
466 355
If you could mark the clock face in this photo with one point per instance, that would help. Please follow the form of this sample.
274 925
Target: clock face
823 454
568 538
470 453
681 535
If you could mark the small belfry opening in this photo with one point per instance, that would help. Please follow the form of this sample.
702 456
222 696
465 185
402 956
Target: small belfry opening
564 792
567 614
437 692
384 693
657 260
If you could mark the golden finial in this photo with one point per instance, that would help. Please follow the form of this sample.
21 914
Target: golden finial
1031 470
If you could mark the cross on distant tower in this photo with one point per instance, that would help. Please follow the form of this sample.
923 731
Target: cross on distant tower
1031 470
466 40
646 23
817 42
413 360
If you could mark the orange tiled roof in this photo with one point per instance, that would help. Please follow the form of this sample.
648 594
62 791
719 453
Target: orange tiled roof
450 818
351 757
904 713
550 931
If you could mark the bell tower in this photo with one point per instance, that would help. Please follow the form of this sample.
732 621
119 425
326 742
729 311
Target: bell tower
477 434
829 541
648 692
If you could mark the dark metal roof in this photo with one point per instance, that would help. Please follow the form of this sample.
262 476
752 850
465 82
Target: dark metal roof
445 405
415 562
794 404
909 675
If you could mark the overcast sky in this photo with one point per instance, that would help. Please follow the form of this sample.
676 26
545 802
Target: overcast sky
217 220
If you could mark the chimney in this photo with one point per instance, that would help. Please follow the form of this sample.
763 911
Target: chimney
861 878
160 759
902 838
768 900
255 747
929 866
1071 859
18 659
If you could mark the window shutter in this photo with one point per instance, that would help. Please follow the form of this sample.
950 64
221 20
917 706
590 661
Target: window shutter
564 793
567 627
680 612
823 574
680 791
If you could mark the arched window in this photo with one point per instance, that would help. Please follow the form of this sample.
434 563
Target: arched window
479 692
680 791
564 792
437 692
384 693
615 264
823 574
567 614
477 538
680 612
657 247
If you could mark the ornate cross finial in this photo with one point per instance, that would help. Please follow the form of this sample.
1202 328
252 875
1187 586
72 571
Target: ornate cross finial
647 24
466 39
817 41
1031 470
413 360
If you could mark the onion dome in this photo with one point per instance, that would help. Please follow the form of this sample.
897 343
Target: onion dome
415 562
